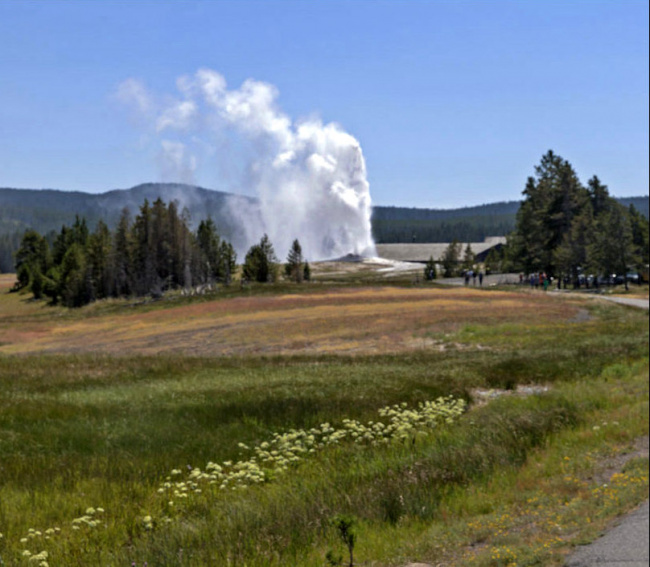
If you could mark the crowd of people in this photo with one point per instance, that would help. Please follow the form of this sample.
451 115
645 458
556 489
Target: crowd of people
537 280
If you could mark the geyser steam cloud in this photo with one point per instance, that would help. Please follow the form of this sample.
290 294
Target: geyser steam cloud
309 177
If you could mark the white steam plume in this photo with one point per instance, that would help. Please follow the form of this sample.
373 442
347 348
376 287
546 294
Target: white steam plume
309 177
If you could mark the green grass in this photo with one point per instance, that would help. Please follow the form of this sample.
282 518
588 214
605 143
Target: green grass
80 431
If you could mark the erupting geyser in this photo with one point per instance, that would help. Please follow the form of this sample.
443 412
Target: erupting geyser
309 177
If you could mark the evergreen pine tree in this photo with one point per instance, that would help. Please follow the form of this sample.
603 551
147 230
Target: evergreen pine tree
572 254
210 250
293 269
260 263
430 269
468 257
612 249
450 259
228 259
552 200
33 257
99 258
122 257
639 227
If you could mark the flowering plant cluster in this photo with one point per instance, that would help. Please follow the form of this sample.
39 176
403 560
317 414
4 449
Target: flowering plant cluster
89 520
268 459
287 449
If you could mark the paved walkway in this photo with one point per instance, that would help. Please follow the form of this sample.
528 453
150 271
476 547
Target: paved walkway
626 545
640 303
504 279
488 281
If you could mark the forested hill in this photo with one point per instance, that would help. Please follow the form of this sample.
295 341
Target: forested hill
640 203
47 210
467 224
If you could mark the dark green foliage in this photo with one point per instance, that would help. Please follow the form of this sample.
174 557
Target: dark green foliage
210 246
612 249
468 257
228 259
451 258
99 257
144 273
155 253
217 257
121 258
639 228
599 196
306 272
293 269
554 197
32 257
430 269
565 229
75 285
572 254
469 224
260 264
344 526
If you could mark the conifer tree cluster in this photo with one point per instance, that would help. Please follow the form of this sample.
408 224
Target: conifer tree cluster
261 264
155 252
565 229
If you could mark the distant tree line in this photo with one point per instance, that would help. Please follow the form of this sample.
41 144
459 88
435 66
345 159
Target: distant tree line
147 256
463 229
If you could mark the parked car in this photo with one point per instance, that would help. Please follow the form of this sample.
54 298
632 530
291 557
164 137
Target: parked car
633 277
612 279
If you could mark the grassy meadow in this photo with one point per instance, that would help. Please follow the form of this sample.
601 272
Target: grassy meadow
234 428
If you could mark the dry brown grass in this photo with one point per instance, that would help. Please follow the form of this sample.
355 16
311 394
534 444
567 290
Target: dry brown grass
347 320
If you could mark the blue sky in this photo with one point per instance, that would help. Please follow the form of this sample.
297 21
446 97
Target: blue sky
453 102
